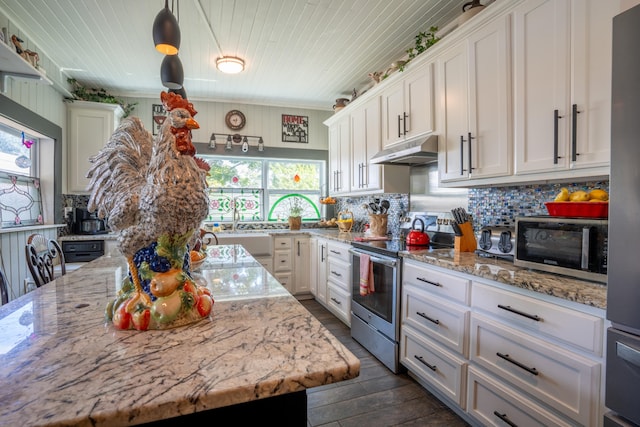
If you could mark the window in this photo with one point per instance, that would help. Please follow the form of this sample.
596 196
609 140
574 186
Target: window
20 195
263 189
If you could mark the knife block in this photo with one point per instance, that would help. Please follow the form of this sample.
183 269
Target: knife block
467 242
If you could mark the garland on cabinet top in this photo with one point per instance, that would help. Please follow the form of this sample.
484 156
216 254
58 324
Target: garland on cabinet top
82 93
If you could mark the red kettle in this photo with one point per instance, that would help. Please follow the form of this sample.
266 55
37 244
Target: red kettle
415 237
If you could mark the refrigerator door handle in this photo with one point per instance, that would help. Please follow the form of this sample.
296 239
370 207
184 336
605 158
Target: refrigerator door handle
627 353
584 261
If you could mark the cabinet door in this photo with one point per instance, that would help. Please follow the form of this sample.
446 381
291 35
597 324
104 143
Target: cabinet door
490 117
392 103
365 143
339 156
453 89
591 32
322 271
418 101
541 75
90 127
313 268
301 265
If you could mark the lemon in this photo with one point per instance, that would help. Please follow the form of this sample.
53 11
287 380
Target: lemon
562 196
598 194
579 196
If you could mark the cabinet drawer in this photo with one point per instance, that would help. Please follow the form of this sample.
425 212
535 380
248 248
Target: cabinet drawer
281 243
339 273
339 303
565 381
435 365
496 404
441 284
282 261
443 321
339 251
285 280
584 331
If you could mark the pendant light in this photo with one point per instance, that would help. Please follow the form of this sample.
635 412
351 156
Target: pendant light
166 32
171 73
181 92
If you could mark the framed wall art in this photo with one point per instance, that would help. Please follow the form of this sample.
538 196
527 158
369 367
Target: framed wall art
295 128
158 115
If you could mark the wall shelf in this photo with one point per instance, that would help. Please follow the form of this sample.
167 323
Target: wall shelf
13 65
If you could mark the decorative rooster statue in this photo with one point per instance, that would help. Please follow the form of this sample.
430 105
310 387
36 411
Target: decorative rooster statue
153 192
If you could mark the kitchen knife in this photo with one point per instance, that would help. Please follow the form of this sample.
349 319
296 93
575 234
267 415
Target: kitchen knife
456 229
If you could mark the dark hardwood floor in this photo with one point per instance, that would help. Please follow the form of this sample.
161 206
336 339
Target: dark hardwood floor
375 398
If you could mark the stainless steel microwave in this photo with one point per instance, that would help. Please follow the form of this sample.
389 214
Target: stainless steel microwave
571 246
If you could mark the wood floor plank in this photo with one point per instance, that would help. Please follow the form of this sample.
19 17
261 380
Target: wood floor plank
377 397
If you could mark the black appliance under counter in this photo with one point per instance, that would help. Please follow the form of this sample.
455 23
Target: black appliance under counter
82 250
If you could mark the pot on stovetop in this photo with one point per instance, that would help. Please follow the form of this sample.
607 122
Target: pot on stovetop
417 237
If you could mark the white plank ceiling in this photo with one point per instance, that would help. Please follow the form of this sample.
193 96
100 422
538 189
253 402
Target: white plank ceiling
303 53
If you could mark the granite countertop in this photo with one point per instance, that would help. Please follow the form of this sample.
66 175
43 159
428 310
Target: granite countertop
62 364
580 291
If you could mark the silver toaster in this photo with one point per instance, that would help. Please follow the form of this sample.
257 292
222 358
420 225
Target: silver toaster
497 241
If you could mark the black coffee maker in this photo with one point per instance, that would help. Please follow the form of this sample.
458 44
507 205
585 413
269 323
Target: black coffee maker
85 222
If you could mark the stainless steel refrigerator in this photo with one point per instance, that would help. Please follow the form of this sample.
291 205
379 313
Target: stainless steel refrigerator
622 392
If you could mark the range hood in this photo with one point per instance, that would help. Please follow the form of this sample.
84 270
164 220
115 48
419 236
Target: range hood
417 151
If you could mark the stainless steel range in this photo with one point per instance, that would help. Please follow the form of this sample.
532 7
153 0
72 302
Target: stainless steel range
375 319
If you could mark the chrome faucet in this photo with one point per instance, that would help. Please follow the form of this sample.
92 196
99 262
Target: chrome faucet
236 214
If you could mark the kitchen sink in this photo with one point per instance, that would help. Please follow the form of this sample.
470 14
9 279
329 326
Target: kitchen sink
257 244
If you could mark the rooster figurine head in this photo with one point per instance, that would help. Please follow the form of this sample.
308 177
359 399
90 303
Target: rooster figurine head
181 121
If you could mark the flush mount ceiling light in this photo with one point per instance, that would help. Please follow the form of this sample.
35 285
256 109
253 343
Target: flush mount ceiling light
171 72
166 32
230 64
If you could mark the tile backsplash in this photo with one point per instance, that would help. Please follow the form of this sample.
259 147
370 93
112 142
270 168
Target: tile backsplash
501 205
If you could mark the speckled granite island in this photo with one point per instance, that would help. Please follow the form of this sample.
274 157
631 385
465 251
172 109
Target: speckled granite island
62 364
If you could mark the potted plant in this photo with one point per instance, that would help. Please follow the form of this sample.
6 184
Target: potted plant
295 212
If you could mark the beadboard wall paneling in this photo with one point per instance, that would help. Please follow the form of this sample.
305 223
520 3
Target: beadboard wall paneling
262 120
13 257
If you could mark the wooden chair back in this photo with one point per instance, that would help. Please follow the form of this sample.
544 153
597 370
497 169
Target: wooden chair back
44 258
4 287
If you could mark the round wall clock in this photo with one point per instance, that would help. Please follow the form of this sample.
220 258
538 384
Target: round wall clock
235 120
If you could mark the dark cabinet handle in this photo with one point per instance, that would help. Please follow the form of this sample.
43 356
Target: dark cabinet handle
421 360
556 117
437 322
574 132
336 301
428 281
336 274
298 248
469 142
506 357
404 123
521 313
399 118
505 419
462 169
335 252
321 253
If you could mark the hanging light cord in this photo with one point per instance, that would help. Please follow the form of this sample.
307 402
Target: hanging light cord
206 20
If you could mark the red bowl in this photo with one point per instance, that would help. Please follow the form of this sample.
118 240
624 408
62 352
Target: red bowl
578 209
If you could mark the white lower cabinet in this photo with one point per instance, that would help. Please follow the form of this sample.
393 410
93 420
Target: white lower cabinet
495 403
501 356
318 270
338 299
291 263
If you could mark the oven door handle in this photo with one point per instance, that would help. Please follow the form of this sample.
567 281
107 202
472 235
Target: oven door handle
388 262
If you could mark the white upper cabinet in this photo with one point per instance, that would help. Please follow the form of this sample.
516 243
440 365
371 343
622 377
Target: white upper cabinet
407 105
562 84
365 142
90 125
475 123
339 156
